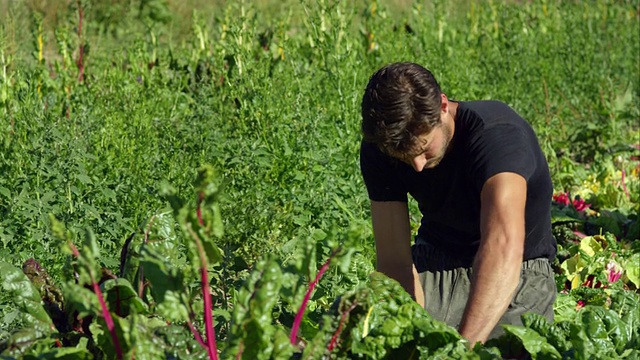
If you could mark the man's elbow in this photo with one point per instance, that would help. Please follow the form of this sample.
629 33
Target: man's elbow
401 272
508 246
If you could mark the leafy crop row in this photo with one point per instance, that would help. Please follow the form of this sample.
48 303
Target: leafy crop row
149 310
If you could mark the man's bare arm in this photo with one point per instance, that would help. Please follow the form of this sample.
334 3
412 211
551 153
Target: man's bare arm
392 233
496 268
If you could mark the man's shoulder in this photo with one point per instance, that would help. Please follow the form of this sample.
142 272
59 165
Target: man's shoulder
488 109
371 154
382 175
488 114
369 150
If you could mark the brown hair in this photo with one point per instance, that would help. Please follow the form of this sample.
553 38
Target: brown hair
401 102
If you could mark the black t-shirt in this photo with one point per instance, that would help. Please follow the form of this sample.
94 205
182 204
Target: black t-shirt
489 138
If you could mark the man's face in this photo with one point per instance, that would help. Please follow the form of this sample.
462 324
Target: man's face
430 150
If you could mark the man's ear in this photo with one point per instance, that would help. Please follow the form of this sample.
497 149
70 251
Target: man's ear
444 106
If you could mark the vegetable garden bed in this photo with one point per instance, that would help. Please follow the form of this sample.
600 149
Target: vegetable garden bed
111 228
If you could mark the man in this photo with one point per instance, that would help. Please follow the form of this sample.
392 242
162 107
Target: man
482 253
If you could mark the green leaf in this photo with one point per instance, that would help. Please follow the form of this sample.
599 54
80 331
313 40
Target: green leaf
25 296
617 330
632 269
535 344
5 192
559 216
143 339
304 259
125 331
121 298
166 284
564 308
554 335
81 300
173 307
252 326
572 268
590 246
590 336
607 223
396 324
623 101
177 342
212 251
209 191
84 179
161 275
90 249
61 353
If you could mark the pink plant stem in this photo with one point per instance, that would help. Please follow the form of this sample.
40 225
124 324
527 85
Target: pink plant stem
240 351
199 210
307 296
580 234
107 318
103 305
74 250
343 318
80 60
624 185
206 295
208 316
196 334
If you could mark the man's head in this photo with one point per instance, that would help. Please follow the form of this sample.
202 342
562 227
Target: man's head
401 105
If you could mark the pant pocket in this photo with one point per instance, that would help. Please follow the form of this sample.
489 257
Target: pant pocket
536 293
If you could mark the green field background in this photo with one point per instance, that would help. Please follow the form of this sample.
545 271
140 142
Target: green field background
269 93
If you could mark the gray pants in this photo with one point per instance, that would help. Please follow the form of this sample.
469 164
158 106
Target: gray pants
447 285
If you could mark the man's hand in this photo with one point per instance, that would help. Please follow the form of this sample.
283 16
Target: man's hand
392 233
496 268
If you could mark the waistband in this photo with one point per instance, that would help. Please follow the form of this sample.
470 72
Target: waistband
428 257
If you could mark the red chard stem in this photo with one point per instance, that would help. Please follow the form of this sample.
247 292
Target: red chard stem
107 318
199 209
196 334
343 318
80 60
299 315
206 295
624 185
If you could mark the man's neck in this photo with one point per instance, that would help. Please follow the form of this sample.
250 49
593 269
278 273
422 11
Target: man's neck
453 109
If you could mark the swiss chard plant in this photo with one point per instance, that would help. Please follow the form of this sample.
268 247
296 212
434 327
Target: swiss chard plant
162 302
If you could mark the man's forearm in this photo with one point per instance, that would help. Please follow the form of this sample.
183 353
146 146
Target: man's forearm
408 277
496 273
497 265
418 290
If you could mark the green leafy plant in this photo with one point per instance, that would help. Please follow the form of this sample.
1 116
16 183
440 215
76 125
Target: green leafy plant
268 93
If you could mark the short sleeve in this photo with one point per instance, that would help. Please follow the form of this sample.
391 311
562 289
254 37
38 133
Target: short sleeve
382 175
504 147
